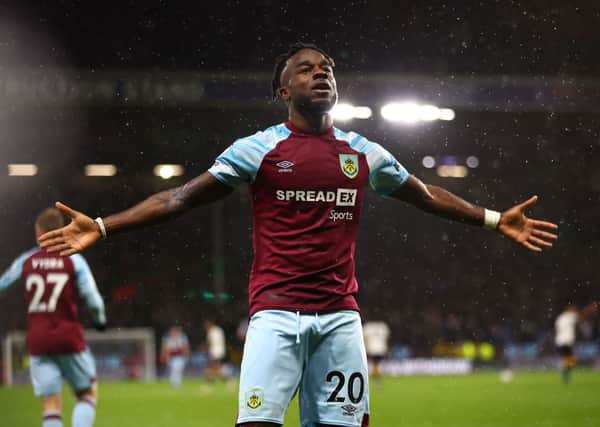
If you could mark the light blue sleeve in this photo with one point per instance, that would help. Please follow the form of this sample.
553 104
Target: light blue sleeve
240 162
10 276
386 174
87 288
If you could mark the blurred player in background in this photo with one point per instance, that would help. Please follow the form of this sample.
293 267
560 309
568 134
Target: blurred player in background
307 181
376 334
566 333
55 339
216 348
174 353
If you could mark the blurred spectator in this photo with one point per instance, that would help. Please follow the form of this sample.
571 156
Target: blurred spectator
174 353
216 346
376 334
566 333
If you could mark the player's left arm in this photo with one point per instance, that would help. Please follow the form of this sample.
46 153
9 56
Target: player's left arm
13 273
512 223
86 285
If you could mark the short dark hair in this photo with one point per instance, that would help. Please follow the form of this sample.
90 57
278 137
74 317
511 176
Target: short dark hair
50 219
282 59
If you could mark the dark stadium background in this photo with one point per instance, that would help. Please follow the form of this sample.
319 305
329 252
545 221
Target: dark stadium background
489 61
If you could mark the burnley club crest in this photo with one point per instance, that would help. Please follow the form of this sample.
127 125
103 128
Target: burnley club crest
349 164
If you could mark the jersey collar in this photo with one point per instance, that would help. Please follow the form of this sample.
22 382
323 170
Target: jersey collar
297 130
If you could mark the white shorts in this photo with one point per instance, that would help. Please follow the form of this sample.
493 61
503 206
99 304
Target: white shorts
321 355
78 369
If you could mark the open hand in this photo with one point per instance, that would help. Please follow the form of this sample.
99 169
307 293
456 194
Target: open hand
531 233
79 235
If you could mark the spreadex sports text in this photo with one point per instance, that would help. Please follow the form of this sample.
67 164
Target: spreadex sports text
341 197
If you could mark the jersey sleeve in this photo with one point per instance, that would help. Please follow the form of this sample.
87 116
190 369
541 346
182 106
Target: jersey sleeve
386 174
87 288
239 163
13 273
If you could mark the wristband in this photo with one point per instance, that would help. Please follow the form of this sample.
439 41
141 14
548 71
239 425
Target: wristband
491 219
101 227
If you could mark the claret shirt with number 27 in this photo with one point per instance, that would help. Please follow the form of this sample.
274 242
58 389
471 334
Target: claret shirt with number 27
306 192
52 285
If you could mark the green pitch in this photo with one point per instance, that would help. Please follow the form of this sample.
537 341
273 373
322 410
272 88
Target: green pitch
479 400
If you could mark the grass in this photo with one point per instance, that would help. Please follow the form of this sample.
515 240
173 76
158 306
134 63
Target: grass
478 400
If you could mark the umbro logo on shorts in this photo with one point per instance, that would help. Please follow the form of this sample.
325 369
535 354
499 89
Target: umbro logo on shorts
349 409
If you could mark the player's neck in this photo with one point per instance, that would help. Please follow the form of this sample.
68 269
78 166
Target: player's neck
315 123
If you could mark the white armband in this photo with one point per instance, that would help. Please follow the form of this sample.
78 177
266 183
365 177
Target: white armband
491 219
101 227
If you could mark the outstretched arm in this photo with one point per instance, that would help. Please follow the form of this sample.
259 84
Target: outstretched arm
83 231
530 233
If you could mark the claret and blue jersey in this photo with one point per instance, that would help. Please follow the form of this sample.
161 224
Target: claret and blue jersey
307 193
51 286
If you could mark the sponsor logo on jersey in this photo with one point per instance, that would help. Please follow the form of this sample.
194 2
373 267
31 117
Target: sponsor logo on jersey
254 399
48 263
340 216
346 197
349 164
285 166
341 197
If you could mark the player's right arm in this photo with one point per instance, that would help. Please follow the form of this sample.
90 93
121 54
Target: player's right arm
83 231
13 273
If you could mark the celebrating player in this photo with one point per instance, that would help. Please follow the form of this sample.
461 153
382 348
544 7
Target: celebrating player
55 339
307 181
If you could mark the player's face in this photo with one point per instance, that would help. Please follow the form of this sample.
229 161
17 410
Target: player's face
308 82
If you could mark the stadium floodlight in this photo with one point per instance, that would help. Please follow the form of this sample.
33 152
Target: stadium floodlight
403 112
100 170
167 171
344 111
452 171
472 162
429 113
363 112
447 114
22 169
412 112
428 162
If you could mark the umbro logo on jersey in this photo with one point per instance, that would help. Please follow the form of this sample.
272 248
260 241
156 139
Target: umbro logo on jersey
285 166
